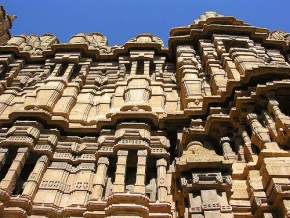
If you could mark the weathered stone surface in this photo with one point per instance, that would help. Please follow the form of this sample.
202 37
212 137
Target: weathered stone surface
198 129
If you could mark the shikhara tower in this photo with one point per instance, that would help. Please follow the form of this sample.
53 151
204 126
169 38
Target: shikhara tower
199 129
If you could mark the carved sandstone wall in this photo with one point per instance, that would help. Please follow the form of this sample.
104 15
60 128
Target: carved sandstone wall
200 129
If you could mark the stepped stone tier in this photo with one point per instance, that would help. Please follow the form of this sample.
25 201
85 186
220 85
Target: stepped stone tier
200 129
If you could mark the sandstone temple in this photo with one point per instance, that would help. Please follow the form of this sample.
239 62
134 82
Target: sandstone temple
200 129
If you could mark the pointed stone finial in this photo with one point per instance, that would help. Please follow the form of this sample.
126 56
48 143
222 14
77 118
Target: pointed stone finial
12 18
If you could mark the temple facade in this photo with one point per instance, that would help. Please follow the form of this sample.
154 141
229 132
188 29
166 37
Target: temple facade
200 129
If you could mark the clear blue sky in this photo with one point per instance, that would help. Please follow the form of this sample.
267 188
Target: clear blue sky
121 20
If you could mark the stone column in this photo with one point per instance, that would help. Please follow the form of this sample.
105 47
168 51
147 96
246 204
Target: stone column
249 153
273 106
100 178
119 184
227 150
260 135
161 180
35 177
141 172
270 123
240 148
158 67
7 184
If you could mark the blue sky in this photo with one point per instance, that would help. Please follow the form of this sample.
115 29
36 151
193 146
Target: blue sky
121 20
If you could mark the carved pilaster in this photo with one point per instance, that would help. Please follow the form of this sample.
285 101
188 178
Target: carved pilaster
249 153
270 123
141 172
119 184
161 180
100 178
35 177
227 150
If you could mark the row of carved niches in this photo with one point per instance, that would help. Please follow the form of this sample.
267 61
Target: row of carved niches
142 81
250 154
42 169
127 135
34 183
208 69
72 90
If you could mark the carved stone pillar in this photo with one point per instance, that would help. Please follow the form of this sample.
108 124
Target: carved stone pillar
100 178
273 106
240 148
141 172
260 135
270 123
227 150
249 153
161 180
35 177
7 184
119 184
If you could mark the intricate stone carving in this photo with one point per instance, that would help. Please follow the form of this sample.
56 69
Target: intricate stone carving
198 129
34 45
279 35
146 38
